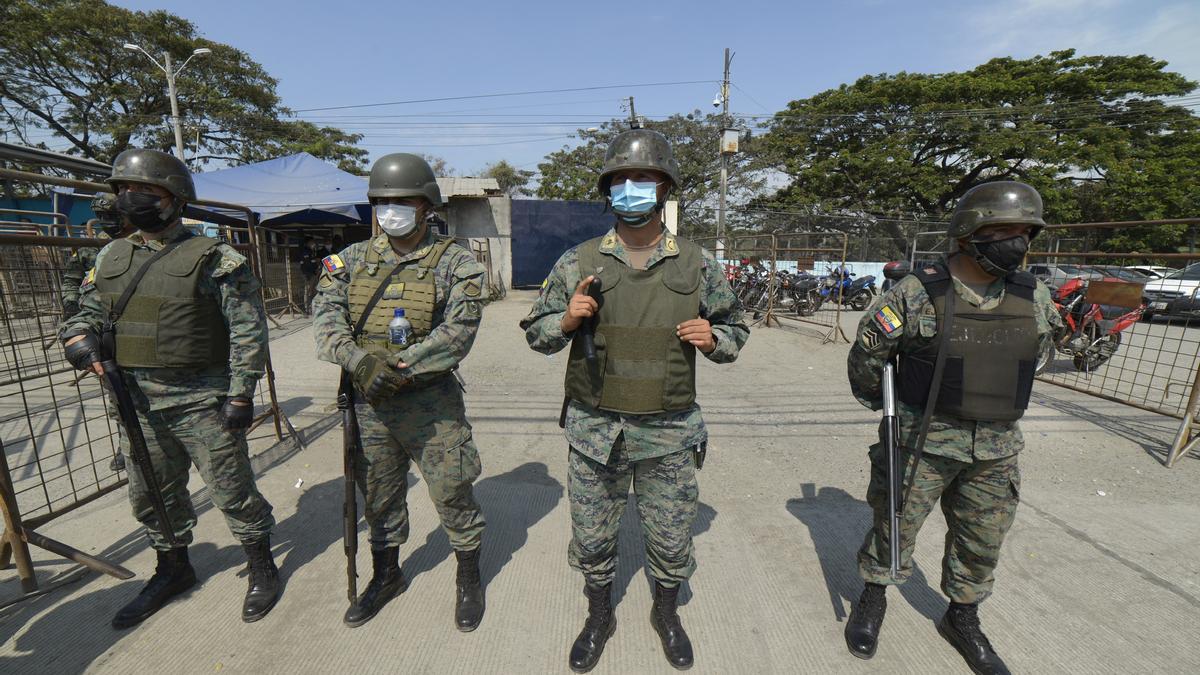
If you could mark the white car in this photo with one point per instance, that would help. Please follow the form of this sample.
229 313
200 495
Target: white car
1174 294
1153 271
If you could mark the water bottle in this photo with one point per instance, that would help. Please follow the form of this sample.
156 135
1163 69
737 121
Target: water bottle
399 329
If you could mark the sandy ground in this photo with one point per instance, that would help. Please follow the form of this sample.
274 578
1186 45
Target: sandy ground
1099 573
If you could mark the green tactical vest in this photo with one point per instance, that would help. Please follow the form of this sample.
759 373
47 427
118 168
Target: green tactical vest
167 323
992 353
413 289
641 367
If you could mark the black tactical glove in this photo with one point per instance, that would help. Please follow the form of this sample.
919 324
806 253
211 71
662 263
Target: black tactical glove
237 413
82 353
377 379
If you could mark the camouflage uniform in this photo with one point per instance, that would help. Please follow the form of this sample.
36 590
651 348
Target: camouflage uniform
655 452
971 466
76 268
427 423
178 408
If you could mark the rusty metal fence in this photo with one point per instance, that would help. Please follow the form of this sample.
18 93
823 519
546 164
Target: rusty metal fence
57 433
805 261
750 265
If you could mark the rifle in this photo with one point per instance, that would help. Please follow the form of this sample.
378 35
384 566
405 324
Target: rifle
138 451
587 334
889 435
351 446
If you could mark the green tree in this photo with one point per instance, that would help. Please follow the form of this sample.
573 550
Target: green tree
571 173
1092 133
63 71
439 164
513 181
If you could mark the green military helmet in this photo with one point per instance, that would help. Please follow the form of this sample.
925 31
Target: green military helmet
1001 202
638 149
142 165
104 205
401 174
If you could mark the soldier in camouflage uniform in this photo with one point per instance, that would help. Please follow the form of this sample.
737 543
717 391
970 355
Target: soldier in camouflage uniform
192 343
631 414
108 219
969 461
409 400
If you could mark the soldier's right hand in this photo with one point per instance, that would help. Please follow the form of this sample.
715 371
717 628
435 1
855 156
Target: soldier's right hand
83 352
377 379
582 306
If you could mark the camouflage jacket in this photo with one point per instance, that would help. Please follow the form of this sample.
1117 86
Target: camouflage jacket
228 280
459 281
949 436
593 432
76 268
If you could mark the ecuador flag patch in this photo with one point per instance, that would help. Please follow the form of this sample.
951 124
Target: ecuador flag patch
333 264
888 320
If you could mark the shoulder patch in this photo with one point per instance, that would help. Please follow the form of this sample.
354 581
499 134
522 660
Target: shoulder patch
90 278
472 289
870 338
888 320
333 264
670 246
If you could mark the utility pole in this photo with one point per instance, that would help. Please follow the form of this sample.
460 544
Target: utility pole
725 152
634 123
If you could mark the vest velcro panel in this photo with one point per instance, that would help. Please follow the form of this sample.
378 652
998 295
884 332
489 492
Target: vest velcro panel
167 323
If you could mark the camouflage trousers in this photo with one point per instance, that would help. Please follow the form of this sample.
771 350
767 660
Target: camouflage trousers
666 492
192 434
979 501
428 427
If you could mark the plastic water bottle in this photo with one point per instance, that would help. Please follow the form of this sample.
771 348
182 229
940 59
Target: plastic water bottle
399 329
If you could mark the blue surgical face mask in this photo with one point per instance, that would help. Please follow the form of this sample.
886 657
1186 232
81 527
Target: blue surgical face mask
634 197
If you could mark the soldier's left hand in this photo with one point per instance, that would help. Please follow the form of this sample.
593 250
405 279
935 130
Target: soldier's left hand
698 333
237 413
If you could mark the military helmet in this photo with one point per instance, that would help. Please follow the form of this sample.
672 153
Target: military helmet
401 174
142 165
104 205
638 149
1001 202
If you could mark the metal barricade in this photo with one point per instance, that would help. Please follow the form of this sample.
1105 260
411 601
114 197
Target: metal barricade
749 264
1128 338
809 289
285 290
482 250
56 433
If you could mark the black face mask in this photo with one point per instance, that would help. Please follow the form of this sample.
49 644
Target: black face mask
142 211
1001 257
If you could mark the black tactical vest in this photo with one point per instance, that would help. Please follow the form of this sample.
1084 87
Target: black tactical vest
989 367
642 366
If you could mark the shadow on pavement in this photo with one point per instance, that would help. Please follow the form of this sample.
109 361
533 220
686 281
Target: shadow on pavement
1149 431
837 523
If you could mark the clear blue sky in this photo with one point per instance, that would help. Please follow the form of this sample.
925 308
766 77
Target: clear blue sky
356 52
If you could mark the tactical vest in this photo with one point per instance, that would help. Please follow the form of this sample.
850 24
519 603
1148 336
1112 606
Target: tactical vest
167 323
413 288
989 368
642 366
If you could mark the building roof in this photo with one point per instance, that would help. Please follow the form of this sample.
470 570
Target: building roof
456 186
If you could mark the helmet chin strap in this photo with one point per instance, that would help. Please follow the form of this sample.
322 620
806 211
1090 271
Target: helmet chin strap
984 262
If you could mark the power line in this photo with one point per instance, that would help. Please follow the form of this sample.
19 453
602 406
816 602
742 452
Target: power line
514 93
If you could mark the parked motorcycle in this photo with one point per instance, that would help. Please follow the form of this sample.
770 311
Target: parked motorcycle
841 285
1091 333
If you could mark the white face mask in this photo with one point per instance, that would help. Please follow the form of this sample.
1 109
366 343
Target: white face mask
396 220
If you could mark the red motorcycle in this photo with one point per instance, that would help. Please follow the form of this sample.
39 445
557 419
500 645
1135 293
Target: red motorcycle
1091 332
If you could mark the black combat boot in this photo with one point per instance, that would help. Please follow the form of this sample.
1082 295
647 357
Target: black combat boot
862 630
263 588
386 583
960 627
599 626
468 600
675 642
172 576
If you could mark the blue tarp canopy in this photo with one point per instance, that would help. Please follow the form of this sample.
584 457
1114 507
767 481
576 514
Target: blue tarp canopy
297 189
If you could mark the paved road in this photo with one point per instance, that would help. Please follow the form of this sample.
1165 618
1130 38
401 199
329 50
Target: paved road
1087 584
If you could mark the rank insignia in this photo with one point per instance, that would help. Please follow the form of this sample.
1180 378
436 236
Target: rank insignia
472 289
669 245
870 338
888 320
333 264
90 278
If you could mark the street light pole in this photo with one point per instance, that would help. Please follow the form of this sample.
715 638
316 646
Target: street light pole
175 121
724 157
171 73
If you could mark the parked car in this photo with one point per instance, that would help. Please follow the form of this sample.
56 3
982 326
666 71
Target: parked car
1174 294
1152 271
1122 273
1057 275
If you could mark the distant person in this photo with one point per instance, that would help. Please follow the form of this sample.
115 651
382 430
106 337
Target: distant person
310 256
966 331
